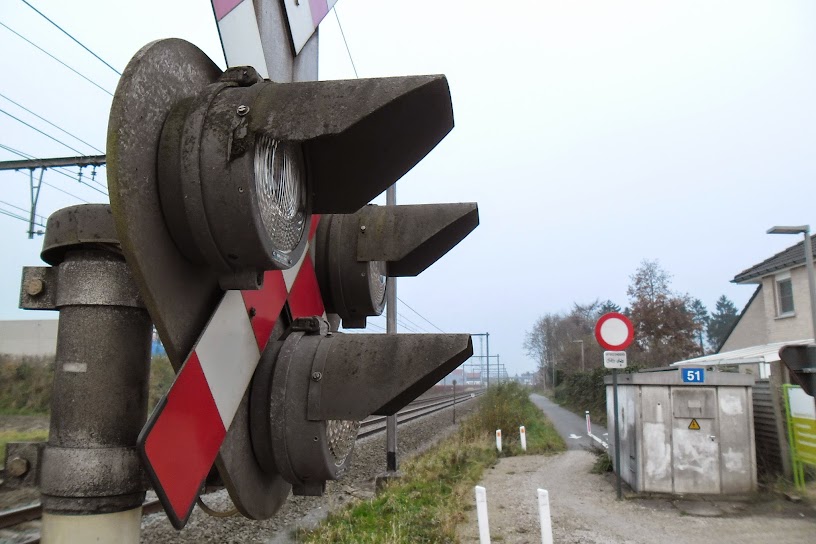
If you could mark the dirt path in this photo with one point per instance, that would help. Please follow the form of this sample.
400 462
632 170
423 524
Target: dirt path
584 510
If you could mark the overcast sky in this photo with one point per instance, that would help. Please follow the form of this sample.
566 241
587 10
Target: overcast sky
593 135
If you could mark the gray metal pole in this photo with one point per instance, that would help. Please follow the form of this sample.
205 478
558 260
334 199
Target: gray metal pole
391 328
91 475
617 432
487 342
811 278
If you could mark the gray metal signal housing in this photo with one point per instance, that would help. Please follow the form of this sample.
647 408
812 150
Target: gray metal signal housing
355 252
801 361
313 387
179 138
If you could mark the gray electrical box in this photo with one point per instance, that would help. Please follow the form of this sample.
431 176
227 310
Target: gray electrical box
681 436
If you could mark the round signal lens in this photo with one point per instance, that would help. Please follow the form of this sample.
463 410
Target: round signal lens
376 285
280 180
341 436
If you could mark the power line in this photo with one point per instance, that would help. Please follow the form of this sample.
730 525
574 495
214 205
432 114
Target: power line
32 127
50 123
420 315
57 188
41 14
21 209
21 218
421 329
89 80
344 41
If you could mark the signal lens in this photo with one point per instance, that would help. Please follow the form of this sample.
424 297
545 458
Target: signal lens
341 436
376 284
281 186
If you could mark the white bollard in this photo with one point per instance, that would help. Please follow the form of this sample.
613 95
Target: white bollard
523 433
498 440
544 515
481 515
589 424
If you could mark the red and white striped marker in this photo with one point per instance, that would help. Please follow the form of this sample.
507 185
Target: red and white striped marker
181 440
304 17
240 37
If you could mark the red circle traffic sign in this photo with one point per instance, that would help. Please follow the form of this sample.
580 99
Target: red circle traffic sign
614 331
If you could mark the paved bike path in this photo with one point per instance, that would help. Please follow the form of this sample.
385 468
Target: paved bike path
571 427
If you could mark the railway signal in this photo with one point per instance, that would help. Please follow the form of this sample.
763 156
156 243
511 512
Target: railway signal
241 208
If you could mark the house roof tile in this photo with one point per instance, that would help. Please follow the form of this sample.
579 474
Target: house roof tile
790 257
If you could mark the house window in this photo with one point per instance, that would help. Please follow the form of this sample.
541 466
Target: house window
784 295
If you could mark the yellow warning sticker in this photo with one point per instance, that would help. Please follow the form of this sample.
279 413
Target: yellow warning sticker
694 426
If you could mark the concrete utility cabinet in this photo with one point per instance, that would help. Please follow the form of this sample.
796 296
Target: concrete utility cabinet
678 437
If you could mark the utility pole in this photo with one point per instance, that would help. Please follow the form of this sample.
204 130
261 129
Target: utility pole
391 328
42 165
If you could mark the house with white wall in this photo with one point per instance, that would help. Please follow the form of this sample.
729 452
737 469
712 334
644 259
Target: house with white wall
779 310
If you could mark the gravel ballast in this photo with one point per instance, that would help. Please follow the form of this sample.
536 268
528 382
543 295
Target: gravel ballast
358 483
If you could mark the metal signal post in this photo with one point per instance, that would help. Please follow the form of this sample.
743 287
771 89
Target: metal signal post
239 225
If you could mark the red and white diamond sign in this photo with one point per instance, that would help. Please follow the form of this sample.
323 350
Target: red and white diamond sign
181 440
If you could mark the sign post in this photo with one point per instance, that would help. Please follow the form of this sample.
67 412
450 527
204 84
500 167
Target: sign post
614 332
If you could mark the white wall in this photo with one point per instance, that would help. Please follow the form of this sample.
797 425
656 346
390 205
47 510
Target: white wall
29 337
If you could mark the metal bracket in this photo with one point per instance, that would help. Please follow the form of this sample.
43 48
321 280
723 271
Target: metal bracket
38 290
22 464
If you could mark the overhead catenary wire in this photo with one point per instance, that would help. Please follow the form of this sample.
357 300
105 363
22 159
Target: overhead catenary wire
32 127
420 315
52 124
20 208
343 34
19 217
77 72
83 46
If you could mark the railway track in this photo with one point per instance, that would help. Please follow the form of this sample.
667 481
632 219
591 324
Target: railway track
419 408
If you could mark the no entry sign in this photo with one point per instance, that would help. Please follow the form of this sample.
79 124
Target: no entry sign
614 331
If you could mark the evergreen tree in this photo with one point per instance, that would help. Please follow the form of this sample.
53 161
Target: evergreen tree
607 307
700 315
722 320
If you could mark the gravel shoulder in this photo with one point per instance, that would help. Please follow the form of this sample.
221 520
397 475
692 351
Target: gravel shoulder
584 510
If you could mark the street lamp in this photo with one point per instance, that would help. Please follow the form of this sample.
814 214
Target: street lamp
582 352
804 230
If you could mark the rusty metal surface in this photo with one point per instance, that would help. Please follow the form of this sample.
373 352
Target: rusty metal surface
411 238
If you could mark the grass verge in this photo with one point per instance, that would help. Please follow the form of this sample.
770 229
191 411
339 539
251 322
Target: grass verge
431 499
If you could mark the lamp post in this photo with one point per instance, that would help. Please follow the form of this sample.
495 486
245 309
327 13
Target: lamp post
804 230
582 352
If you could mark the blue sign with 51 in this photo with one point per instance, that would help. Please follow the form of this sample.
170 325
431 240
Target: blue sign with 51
693 375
